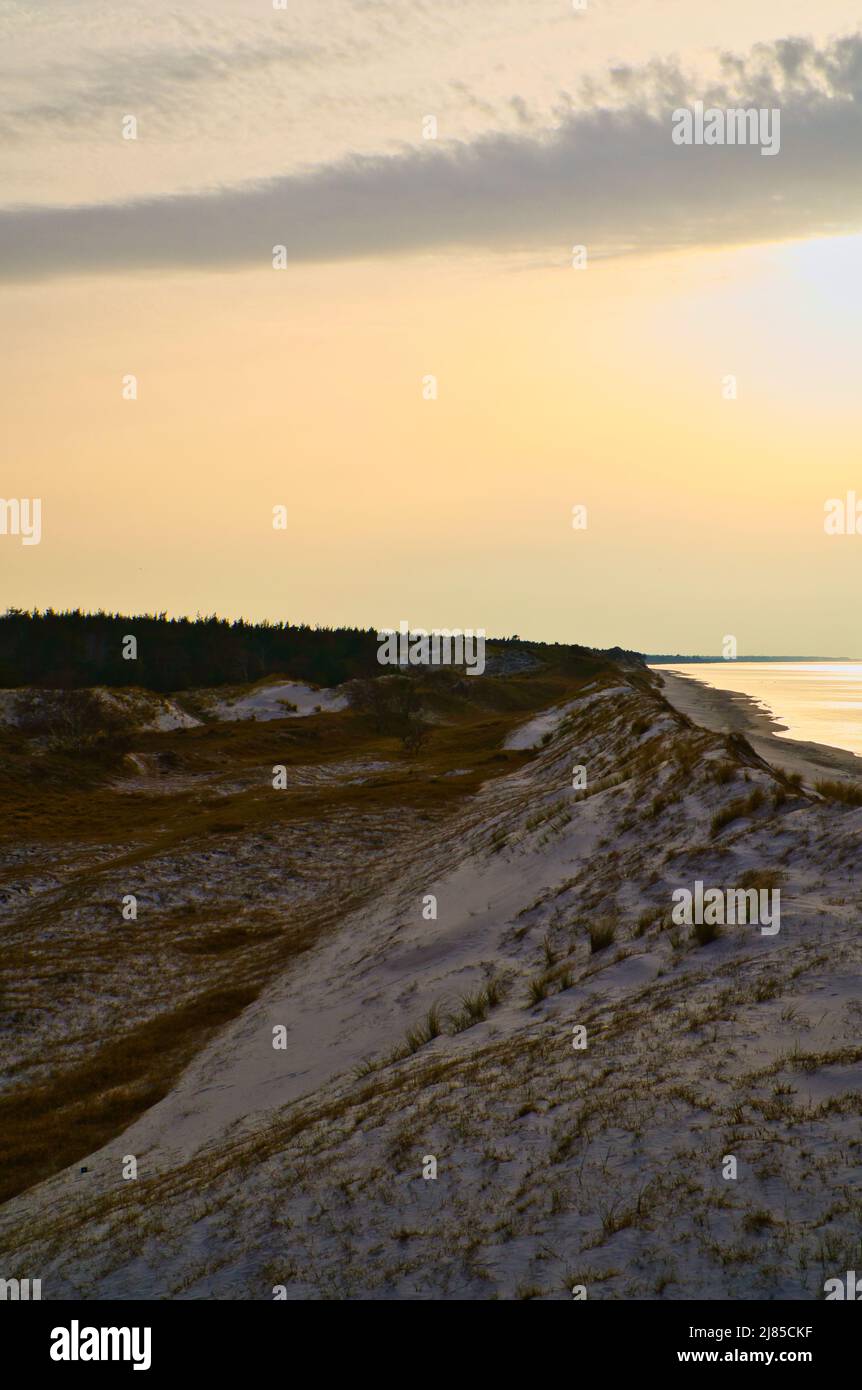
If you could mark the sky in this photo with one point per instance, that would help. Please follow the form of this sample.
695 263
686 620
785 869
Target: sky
445 502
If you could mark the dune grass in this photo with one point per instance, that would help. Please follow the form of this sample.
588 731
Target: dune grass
846 793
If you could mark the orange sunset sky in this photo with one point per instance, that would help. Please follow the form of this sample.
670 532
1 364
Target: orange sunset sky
452 257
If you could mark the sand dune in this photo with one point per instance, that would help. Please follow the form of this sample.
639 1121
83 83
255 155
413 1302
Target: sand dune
409 1038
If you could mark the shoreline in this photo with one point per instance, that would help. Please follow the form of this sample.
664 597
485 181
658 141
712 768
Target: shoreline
732 711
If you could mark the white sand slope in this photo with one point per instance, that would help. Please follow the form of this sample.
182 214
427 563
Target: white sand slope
149 710
531 734
278 700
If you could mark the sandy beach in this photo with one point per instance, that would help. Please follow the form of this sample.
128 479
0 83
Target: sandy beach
726 711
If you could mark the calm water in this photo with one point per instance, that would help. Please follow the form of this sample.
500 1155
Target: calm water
817 700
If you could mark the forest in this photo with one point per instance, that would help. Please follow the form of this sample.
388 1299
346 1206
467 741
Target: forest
74 649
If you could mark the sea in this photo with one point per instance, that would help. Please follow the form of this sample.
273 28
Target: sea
818 701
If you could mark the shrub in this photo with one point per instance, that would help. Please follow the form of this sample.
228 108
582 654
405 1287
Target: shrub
723 773
602 934
740 806
476 1007
646 919
494 993
845 792
432 1028
392 703
538 989
755 1221
74 721
705 932
760 878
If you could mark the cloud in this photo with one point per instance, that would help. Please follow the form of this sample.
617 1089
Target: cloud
609 177
155 79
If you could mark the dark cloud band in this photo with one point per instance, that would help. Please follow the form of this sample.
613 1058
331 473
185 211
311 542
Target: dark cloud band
612 179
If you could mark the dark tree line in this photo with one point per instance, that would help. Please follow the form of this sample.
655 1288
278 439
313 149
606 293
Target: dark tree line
74 649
